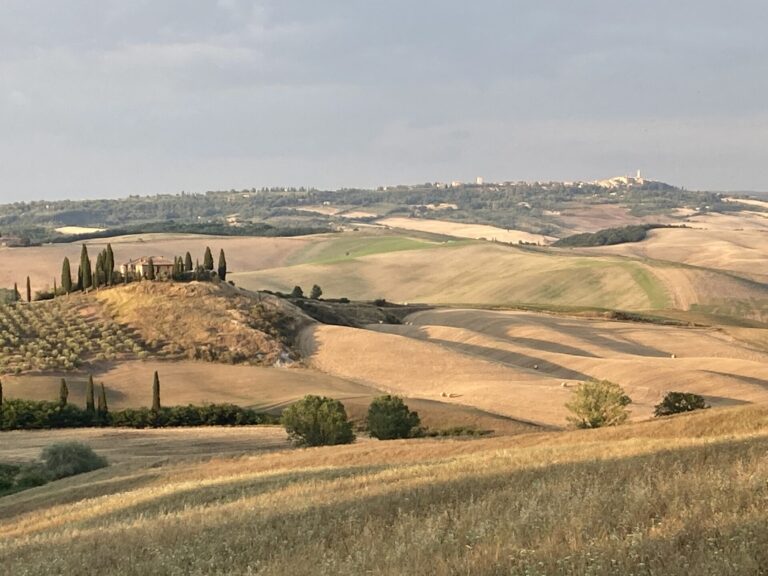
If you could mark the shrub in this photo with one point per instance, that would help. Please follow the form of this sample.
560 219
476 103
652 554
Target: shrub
318 421
389 418
69 458
598 403
31 475
679 402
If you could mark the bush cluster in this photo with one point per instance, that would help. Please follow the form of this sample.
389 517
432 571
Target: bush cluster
57 461
35 415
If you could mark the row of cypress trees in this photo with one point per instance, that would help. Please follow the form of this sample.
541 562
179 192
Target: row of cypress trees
87 276
104 273
93 404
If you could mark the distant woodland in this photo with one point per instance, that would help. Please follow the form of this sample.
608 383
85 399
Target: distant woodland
277 212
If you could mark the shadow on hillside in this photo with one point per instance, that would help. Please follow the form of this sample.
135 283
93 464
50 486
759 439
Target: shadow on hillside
514 359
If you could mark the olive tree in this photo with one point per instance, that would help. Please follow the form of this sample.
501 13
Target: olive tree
598 403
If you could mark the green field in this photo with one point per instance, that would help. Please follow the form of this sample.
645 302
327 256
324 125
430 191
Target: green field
356 245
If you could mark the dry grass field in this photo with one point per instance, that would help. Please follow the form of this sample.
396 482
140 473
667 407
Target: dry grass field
742 248
461 230
680 496
129 385
516 363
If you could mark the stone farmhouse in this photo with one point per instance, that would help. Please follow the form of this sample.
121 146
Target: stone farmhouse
140 266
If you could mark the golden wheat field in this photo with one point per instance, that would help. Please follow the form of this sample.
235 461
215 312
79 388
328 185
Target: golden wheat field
679 496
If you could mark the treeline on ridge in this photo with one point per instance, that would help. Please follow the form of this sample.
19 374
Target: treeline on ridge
609 236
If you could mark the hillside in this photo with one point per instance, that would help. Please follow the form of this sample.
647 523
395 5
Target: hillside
679 496
525 365
488 274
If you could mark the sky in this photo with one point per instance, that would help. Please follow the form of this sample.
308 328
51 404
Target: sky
107 98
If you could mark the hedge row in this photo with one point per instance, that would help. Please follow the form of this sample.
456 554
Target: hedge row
33 415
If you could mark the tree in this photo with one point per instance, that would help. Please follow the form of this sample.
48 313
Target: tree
85 266
150 269
598 403
679 402
109 265
1 394
16 293
69 458
222 268
316 292
389 418
188 262
89 397
102 410
318 421
208 259
29 290
63 393
297 292
156 393
178 269
99 276
79 285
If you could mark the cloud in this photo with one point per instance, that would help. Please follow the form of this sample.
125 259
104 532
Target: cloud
202 94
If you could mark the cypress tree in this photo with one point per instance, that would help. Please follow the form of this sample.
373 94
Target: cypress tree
85 266
63 393
1 394
29 290
102 405
55 288
89 400
109 265
222 269
208 259
156 393
188 263
16 293
98 277
150 269
79 285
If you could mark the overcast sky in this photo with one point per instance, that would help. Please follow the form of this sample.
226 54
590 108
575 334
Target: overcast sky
105 98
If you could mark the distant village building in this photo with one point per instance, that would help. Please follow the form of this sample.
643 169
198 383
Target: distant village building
479 180
140 266
11 242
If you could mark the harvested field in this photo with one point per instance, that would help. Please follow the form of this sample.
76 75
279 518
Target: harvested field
743 251
515 363
461 230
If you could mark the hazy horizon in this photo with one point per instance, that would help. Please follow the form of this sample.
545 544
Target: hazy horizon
103 99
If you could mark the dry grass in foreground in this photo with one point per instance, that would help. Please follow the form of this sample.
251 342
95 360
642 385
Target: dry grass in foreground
684 495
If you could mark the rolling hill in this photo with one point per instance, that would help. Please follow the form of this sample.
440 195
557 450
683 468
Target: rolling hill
678 496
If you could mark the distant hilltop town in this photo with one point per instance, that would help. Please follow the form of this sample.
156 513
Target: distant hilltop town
622 181
616 182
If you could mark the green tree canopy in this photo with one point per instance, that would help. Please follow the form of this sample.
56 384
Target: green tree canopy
208 259
222 268
85 267
316 292
156 393
318 421
389 418
66 276
598 403
679 402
